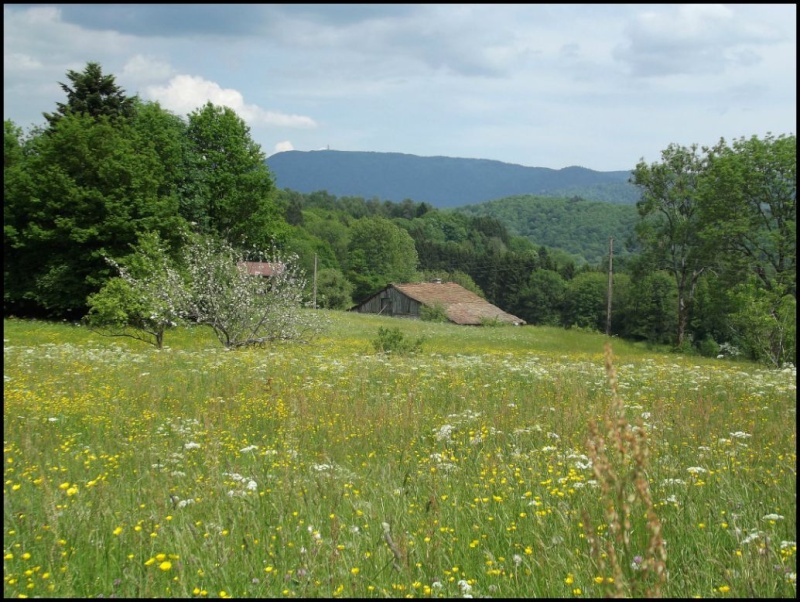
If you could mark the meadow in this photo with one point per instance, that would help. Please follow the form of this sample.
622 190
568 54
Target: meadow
495 462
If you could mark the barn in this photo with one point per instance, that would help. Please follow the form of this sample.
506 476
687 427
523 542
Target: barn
461 305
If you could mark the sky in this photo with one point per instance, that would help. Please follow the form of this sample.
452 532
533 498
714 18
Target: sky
541 85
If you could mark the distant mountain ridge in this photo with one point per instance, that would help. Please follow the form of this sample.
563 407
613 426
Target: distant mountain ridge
443 182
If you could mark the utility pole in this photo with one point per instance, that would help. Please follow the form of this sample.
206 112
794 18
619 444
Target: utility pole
315 281
610 279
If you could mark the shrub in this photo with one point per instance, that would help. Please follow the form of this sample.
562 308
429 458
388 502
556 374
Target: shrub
433 313
392 340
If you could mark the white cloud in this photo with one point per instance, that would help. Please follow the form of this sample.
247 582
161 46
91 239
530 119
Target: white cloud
17 61
185 93
693 39
286 145
142 68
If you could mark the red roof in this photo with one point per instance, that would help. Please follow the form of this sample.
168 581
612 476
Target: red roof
262 268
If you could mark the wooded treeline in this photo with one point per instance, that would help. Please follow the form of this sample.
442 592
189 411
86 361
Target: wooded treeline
710 267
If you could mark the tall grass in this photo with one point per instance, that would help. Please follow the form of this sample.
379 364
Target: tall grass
473 467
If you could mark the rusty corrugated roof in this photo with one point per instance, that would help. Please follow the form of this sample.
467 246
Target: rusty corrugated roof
462 306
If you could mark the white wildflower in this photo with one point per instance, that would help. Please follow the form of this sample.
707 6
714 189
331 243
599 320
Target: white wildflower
772 517
444 433
752 537
696 469
191 445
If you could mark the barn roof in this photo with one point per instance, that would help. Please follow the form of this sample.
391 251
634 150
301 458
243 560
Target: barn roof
462 306
261 268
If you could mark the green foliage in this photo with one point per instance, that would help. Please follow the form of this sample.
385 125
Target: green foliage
766 324
586 301
232 181
750 207
650 310
92 94
379 252
334 290
392 340
433 313
85 191
708 347
541 300
671 222
581 228
148 298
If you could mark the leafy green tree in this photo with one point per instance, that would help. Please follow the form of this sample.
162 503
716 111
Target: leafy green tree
379 252
334 290
234 184
148 298
670 221
94 94
650 308
765 324
90 186
586 301
541 301
750 207
330 227
18 266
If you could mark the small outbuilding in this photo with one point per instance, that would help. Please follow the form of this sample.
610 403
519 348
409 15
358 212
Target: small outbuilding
461 305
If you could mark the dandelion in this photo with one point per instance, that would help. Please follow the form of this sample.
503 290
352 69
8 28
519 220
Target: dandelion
569 579
165 566
355 570
118 530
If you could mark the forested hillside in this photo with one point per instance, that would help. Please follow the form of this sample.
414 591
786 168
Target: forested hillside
440 181
581 228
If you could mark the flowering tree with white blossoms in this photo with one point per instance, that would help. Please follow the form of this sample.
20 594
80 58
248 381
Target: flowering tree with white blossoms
245 309
147 298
